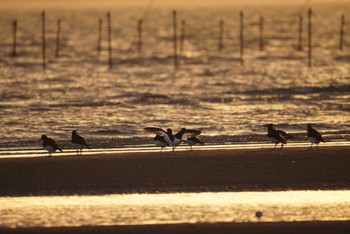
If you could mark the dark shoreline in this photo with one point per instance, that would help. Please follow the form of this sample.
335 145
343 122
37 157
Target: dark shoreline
183 171
325 227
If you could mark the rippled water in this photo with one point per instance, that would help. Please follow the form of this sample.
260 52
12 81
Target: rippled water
210 91
136 209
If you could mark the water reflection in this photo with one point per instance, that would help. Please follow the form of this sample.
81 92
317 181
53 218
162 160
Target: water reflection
135 209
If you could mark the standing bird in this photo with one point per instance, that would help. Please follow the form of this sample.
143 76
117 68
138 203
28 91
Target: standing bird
314 136
274 136
49 144
159 141
193 141
259 214
174 140
79 142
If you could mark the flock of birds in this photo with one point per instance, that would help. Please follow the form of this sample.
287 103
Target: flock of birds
189 136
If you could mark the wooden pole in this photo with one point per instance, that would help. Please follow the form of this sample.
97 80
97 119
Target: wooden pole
241 38
109 39
261 34
342 25
175 40
300 40
58 33
183 36
310 38
14 38
139 44
99 39
221 35
43 39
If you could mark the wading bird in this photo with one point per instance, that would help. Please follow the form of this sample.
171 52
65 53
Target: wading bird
274 136
79 142
49 144
314 136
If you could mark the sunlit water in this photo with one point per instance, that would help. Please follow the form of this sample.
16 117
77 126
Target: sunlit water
210 91
136 209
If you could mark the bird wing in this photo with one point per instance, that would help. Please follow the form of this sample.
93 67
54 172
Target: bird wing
197 140
51 143
188 133
82 141
316 134
157 131
275 134
285 135
160 138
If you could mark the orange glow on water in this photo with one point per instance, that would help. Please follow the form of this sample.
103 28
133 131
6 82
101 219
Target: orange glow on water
137 209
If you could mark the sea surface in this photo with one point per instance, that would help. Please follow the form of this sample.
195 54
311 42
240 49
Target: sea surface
209 91
138 209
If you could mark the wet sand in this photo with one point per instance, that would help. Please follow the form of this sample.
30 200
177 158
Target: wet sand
202 228
185 171
220 170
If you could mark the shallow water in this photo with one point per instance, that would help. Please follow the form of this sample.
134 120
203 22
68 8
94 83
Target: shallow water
136 209
210 91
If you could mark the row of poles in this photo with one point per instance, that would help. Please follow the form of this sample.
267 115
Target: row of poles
181 38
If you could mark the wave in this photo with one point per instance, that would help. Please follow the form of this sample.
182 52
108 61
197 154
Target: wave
149 98
296 90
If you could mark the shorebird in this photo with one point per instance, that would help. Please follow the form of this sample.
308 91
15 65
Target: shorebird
193 141
314 136
174 140
49 144
78 142
274 136
258 214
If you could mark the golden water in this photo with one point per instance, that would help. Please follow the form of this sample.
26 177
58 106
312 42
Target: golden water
137 209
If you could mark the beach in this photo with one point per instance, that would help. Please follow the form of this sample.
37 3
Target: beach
109 69
293 168
326 168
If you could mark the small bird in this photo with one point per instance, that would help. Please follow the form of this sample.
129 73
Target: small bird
193 141
79 142
49 144
174 140
314 136
258 214
159 141
274 136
